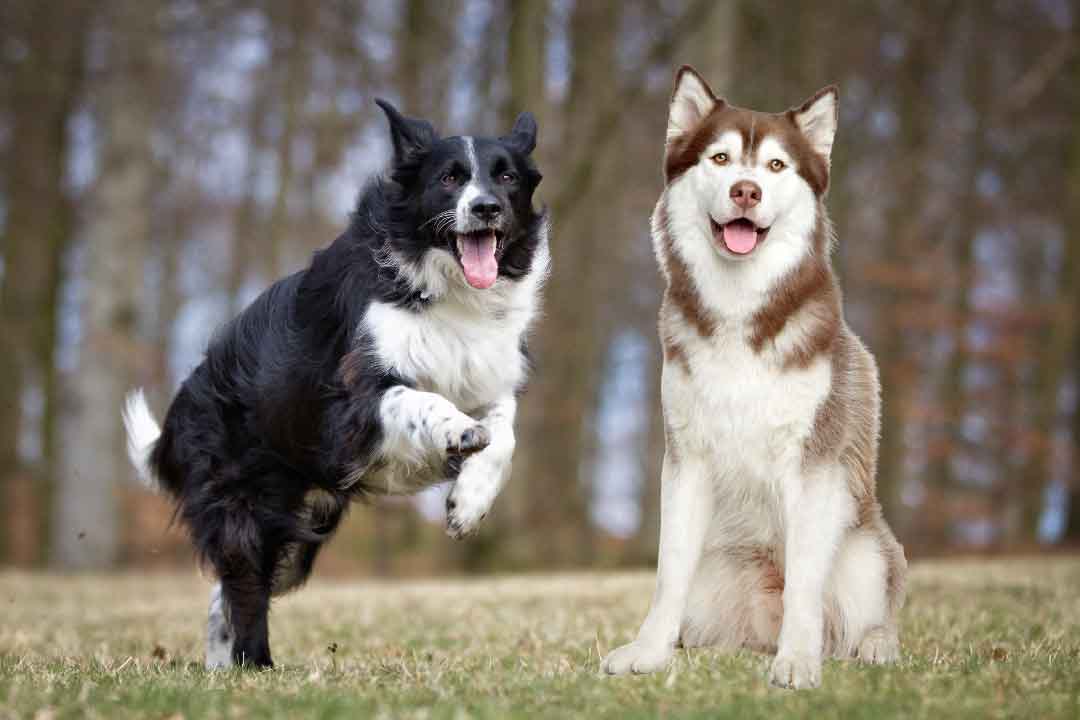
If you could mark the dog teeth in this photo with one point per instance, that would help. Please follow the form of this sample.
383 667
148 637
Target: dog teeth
460 245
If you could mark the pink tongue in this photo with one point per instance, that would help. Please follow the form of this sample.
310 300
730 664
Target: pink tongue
478 259
740 237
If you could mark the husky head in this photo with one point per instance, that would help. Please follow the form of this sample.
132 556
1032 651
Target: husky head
746 177
465 203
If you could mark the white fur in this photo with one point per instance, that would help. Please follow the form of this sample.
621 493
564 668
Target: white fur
484 474
818 124
219 634
691 102
142 432
735 478
471 190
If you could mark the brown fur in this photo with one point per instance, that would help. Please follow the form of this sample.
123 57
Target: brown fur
681 292
809 292
674 352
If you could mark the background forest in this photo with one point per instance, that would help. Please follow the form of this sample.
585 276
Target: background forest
162 161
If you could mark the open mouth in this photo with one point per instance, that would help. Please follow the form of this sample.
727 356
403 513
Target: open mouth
478 252
738 236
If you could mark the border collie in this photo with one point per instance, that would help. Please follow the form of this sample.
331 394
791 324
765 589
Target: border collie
391 363
771 535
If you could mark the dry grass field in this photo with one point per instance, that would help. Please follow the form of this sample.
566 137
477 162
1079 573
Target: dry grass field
982 639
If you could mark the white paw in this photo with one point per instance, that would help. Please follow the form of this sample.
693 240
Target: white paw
879 647
472 496
218 634
795 671
638 658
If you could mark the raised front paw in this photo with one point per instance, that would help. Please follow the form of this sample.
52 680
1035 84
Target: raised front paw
795 671
467 439
638 657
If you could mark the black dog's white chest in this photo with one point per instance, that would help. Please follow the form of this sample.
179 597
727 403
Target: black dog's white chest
470 358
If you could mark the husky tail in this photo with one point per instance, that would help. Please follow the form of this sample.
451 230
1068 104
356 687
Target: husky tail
142 432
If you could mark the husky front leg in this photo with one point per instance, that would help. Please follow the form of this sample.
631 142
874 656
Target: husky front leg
418 425
484 474
818 510
686 505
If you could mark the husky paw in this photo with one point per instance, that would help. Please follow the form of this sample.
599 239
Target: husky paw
638 658
795 672
879 647
471 438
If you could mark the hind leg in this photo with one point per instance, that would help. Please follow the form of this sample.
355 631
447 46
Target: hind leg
219 633
735 601
864 596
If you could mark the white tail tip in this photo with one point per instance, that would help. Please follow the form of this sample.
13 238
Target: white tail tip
142 432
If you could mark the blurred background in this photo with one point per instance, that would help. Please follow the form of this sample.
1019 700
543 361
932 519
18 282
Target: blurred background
163 161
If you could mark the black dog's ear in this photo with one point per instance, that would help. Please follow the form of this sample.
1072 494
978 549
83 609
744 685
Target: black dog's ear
523 137
409 135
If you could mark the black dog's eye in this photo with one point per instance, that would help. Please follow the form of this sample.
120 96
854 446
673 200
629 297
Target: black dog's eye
449 179
508 177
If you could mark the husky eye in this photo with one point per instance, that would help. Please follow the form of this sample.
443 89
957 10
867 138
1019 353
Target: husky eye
449 179
776 165
720 158
508 177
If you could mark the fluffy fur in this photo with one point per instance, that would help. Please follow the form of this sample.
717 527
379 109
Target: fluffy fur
771 535
391 363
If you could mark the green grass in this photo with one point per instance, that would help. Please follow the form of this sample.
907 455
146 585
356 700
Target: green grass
981 640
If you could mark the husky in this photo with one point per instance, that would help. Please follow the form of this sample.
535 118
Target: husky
771 535
391 363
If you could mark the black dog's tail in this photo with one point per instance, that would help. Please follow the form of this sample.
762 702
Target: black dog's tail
142 432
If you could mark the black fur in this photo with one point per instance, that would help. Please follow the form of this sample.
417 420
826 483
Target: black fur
286 399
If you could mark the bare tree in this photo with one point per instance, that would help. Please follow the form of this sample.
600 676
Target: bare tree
44 87
86 529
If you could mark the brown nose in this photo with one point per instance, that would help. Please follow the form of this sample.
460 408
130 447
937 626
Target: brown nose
746 194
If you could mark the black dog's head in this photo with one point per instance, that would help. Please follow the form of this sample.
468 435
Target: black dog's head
467 196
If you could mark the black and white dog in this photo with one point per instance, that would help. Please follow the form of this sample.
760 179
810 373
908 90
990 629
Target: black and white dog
390 364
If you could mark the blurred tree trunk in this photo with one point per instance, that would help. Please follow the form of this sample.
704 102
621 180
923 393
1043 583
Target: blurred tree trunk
944 448
1070 282
43 90
568 343
291 23
86 525
904 226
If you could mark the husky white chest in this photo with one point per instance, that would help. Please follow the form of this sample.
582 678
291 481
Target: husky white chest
739 407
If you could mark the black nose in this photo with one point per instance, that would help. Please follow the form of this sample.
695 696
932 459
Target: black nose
486 208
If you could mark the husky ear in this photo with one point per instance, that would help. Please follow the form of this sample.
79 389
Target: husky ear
817 120
691 101
523 137
411 137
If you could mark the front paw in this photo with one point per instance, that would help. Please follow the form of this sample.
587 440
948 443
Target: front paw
795 671
468 439
638 657
464 512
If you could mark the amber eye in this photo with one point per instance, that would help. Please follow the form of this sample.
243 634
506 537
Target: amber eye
776 165
720 158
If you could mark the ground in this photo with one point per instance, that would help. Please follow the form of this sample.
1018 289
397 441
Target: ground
981 639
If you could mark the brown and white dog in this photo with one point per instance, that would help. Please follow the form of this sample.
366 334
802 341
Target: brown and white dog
771 535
